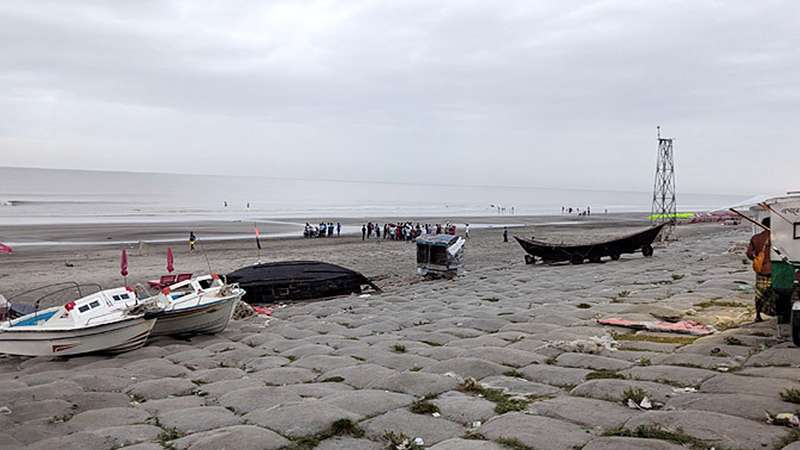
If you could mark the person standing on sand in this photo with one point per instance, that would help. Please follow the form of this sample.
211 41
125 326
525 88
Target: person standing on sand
363 232
505 234
759 252
192 241
466 231
338 229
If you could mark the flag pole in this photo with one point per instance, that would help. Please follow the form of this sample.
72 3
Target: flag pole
205 255
743 216
258 239
123 266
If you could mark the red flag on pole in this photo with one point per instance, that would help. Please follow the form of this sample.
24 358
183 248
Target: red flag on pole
123 263
5 249
258 235
170 260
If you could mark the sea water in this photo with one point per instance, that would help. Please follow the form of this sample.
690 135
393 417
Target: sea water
45 196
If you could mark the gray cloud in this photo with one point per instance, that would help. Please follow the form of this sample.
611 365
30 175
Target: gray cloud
514 93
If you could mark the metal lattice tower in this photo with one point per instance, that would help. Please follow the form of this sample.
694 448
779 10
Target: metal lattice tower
664 205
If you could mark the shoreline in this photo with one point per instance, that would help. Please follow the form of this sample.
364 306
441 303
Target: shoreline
104 235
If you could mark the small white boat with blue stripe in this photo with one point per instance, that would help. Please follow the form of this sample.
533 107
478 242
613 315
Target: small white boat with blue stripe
112 320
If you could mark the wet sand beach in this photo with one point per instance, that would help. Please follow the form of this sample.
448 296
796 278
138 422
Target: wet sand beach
507 355
107 234
89 253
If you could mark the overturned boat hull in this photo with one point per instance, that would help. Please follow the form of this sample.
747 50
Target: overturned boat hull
116 337
594 252
297 280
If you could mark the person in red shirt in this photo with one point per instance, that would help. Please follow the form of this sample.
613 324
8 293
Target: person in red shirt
759 252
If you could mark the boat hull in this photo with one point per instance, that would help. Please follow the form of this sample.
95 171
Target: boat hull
116 337
296 281
593 252
210 318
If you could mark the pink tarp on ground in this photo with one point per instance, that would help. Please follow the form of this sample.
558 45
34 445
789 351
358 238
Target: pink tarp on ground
262 311
682 327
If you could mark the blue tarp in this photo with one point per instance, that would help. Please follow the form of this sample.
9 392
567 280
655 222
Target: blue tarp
35 319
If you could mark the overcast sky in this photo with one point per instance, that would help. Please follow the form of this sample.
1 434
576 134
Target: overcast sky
523 93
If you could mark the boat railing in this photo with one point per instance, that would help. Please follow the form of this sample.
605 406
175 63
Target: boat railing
61 287
54 289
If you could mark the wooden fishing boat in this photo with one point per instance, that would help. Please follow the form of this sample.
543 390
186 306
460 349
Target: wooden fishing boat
297 280
577 254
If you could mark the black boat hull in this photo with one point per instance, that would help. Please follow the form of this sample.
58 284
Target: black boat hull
297 280
577 254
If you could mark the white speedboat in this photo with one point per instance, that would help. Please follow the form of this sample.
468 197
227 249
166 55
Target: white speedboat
201 305
112 320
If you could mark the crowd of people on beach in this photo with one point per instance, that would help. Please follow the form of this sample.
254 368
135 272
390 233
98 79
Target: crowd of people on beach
322 230
401 231
578 211
404 231
502 210
570 210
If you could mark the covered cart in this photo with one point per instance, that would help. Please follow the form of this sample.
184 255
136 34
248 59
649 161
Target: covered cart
440 254
784 213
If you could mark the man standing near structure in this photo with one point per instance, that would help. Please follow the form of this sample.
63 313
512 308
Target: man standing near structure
759 252
505 234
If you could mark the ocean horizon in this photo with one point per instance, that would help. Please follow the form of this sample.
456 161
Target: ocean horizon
49 196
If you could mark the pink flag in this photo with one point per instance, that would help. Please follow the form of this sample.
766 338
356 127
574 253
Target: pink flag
123 263
170 260
5 249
